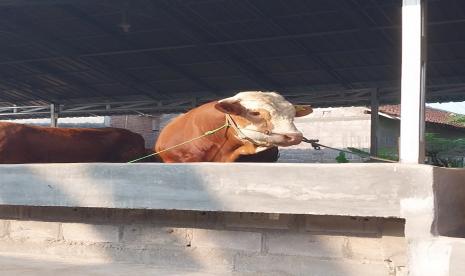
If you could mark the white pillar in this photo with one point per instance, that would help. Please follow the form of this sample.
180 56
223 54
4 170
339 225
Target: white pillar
374 107
412 125
53 116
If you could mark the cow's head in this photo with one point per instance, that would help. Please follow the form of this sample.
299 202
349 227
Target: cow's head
265 117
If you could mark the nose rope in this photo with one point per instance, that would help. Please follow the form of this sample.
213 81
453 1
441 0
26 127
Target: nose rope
241 134
317 146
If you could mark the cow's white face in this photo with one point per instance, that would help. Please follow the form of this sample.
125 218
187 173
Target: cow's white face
265 117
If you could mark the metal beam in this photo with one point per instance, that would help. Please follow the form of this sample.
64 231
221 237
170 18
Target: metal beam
200 30
14 89
111 4
69 80
104 108
45 40
309 54
363 19
223 43
131 44
12 3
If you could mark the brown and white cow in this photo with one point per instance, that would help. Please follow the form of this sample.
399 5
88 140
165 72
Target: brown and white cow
32 144
260 121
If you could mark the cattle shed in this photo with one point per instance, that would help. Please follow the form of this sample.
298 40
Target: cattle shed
84 58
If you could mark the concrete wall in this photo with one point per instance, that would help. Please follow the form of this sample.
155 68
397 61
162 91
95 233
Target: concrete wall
210 242
147 126
144 125
334 127
450 191
282 219
388 133
353 189
70 122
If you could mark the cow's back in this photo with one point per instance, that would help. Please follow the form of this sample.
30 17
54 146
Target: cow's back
176 132
31 144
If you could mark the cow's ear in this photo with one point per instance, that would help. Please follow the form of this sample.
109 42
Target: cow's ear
230 106
302 110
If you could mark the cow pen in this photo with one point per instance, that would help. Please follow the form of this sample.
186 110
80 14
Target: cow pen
86 58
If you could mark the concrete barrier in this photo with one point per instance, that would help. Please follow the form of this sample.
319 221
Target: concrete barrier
353 189
293 219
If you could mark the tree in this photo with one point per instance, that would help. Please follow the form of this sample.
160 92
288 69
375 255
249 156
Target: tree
458 119
443 150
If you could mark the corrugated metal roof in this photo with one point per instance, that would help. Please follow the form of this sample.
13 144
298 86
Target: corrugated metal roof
75 51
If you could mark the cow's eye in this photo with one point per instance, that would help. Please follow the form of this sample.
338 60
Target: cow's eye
254 113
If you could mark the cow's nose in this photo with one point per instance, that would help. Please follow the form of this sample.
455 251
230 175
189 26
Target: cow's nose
293 138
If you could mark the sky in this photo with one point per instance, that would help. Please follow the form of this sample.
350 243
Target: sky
456 107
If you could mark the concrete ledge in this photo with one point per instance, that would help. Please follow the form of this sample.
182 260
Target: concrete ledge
328 189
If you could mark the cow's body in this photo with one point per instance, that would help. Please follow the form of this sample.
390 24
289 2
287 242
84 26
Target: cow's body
31 144
254 139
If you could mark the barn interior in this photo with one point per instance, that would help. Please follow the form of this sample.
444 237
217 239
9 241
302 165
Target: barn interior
123 57
71 58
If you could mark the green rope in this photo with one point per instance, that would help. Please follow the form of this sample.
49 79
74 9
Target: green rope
210 132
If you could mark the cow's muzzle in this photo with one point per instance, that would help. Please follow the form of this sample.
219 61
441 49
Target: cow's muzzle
288 139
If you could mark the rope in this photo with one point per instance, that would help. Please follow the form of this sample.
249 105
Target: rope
207 133
230 123
317 146
241 134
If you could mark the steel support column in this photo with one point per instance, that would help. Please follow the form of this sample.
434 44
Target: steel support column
374 122
53 116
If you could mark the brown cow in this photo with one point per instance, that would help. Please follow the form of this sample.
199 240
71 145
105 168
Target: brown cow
258 123
32 144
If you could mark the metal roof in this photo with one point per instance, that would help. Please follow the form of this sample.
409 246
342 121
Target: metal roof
323 52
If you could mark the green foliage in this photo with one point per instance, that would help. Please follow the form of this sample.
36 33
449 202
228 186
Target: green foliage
359 152
341 158
443 150
458 119
385 153
388 153
444 146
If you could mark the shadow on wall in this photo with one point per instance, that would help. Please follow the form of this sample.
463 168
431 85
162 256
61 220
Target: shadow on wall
450 197
193 240
92 233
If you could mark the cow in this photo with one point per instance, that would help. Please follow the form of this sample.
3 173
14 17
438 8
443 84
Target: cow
256 123
21 143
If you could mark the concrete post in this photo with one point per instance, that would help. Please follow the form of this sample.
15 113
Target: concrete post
374 122
53 116
412 126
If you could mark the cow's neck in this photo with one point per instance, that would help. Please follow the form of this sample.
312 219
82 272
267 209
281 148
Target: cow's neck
232 146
